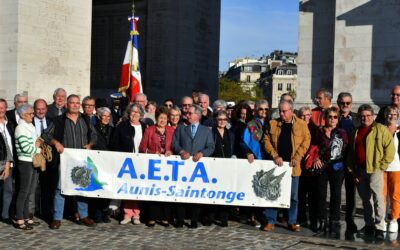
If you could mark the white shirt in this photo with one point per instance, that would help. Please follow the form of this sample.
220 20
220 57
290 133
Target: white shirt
17 117
137 138
395 164
37 125
7 136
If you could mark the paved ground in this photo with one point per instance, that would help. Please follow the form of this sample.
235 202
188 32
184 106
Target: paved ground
114 236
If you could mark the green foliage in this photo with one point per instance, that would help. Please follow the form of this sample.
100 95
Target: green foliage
229 90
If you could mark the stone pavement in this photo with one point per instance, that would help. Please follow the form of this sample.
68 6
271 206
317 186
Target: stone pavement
115 236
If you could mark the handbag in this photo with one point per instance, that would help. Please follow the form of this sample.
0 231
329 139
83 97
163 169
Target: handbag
41 159
311 156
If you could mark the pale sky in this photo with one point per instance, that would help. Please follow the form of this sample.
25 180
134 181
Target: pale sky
254 28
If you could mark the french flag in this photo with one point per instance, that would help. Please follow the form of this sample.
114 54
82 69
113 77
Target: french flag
131 80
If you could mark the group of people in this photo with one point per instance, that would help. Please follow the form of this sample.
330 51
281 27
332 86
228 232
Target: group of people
326 144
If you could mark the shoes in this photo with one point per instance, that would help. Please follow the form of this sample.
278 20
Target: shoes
55 224
151 223
76 218
268 227
351 227
32 223
294 227
125 221
164 223
193 224
106 219
369 230
393 226
88 222
136 221
379 236
179 224
7 221
23 226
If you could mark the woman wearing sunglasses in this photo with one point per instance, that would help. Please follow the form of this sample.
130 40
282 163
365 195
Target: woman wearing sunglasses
332 142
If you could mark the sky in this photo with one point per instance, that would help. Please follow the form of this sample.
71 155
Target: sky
252 28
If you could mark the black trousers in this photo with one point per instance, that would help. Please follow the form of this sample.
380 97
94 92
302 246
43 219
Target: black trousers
159 211
350 196
181 209
335 179
307 197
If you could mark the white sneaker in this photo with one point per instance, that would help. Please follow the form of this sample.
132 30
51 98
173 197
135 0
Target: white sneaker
393 226
125 221
136 221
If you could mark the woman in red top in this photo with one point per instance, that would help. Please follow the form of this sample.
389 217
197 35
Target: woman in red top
157 139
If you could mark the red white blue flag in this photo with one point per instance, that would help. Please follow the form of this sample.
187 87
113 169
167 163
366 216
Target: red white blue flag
131 80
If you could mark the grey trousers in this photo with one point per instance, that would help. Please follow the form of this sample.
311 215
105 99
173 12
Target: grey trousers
34 196
370 190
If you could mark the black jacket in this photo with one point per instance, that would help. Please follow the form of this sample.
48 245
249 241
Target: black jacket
122 138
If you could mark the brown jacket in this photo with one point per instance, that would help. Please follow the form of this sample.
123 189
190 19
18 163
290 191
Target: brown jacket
301 139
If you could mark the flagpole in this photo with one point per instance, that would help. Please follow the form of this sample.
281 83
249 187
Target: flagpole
132 27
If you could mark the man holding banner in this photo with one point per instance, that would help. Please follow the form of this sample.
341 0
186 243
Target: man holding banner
276 141
70 130
197 141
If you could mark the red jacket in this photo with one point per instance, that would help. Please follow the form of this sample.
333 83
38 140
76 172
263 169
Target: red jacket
151 143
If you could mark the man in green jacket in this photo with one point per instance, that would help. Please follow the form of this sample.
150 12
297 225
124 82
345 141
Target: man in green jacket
371 151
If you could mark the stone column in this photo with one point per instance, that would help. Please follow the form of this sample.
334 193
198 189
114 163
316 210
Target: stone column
367 49
44 45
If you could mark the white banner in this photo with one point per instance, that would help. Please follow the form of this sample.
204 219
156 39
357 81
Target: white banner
130 176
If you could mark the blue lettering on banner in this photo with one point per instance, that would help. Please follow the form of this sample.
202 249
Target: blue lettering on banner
127 168
188 192
199 172
153 169
175 165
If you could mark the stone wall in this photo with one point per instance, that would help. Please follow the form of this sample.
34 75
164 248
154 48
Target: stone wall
46 45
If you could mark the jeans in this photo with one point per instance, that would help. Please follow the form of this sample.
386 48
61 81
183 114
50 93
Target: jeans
350 196
272 213
6 188
59 201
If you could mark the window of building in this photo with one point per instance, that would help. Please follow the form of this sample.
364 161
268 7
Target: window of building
280 72
289 72
248 78
289 87
248 68
280 86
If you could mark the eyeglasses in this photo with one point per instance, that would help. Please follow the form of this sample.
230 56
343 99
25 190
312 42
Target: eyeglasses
332 116
222 119
261 109
306 115
345 103
284 111
186 105
396 94
29 113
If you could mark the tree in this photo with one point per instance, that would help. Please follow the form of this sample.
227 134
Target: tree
229 90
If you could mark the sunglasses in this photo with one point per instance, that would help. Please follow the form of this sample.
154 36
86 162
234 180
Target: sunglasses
261 109
222 119
345 103
332 116
186 105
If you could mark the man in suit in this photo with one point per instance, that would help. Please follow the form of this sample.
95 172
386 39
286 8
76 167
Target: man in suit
58 106
194 140
45 197
12 115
